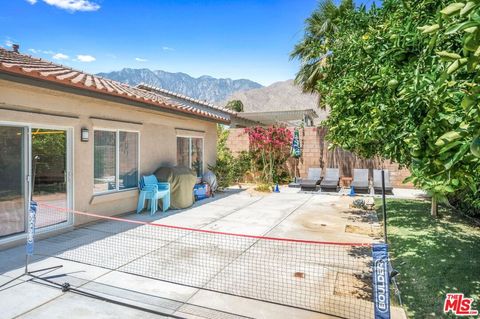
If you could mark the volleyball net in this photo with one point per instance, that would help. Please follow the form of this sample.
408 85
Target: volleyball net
324 277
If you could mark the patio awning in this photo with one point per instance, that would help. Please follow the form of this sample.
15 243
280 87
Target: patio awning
275 117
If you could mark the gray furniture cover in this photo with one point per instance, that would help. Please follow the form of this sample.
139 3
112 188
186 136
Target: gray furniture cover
181 179
330 180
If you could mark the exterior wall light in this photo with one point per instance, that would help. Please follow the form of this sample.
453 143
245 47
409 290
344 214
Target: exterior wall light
84 135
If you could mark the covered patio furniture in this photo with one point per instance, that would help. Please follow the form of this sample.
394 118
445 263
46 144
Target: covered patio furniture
377 182
182 180
360 181
312 180
330 180
152 190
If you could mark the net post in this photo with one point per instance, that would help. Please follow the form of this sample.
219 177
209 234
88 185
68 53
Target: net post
381 281
384 208
32 212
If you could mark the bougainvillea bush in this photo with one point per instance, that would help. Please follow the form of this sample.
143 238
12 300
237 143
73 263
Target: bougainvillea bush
269 150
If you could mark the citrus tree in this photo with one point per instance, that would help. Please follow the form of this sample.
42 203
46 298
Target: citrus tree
401 83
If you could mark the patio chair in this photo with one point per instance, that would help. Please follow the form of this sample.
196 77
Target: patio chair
152 190
312 180
360 182
330 180
377 182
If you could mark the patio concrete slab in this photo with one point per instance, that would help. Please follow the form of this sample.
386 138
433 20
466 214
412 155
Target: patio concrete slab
228 264
79 307
19 297
147 286
325 218
69 268
248 308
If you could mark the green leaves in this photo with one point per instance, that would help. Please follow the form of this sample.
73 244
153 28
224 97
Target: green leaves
403 84
429 28
447 138
454 28
455 65
468 8
452 9
448 56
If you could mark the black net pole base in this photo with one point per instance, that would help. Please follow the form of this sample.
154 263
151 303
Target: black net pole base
29 273
44 269
12 280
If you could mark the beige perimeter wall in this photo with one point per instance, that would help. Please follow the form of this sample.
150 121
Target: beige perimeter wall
157 136
315 153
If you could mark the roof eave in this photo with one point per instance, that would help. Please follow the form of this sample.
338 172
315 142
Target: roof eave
19 76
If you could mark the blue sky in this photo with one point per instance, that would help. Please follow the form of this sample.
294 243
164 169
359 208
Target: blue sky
229 39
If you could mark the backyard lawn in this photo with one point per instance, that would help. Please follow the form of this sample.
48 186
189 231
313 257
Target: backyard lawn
433 256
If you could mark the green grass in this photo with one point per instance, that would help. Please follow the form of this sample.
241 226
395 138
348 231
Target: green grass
433 256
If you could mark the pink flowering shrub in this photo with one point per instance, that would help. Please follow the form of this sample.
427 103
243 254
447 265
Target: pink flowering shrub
269 149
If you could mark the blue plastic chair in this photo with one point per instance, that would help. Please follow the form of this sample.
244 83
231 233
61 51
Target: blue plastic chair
152 190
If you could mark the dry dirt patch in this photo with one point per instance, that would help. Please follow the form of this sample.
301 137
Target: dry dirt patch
363 230
353 285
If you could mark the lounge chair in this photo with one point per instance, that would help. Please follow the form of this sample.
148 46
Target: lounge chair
312 180
360 181
377 182
330 180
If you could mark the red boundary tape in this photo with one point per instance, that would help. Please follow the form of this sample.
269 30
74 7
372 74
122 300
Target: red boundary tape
205 230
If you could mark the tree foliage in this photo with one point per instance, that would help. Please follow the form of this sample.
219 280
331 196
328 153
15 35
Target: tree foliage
235 105
228 168
321 28
402 84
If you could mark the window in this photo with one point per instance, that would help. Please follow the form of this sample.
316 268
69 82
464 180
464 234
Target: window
190 153
115 160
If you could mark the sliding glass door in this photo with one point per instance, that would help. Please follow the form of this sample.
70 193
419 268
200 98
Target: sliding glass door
12 180
34 163
50 175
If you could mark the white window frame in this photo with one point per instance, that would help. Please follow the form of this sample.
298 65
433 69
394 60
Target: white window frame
190 150
117 159
28 126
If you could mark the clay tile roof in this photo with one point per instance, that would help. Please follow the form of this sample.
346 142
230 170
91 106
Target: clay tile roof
183 97
25 65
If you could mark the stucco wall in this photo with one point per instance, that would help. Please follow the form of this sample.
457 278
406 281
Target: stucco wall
157 136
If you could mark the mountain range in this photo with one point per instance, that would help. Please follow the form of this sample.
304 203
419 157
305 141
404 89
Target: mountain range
205 88
279 96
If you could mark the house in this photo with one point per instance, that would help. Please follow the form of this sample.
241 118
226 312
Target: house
79 141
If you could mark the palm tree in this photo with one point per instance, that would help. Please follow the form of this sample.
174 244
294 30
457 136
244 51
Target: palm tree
312 50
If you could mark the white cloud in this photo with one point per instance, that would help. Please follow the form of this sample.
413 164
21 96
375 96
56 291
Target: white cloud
141 60
71 5
38 51
85 58
60 56
8 43
168 49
